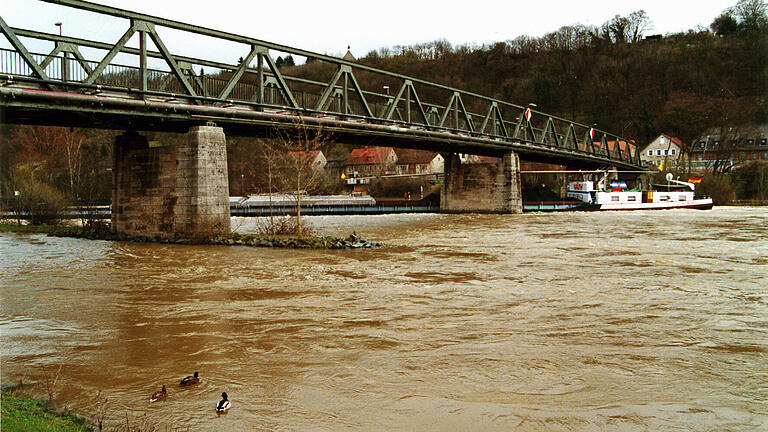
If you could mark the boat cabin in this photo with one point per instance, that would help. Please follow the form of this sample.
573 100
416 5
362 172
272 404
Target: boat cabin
619 194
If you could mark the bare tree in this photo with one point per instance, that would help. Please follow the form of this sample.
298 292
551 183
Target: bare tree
271 157
299 145
751 14
638 24
628 29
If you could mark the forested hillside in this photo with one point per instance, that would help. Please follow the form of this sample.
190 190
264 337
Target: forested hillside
615 75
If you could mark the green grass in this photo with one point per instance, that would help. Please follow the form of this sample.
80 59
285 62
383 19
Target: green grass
27 415
26 228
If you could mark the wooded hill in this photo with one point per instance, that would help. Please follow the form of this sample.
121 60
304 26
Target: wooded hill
613 75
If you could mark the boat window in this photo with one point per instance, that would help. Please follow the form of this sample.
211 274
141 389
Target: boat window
681 198
614 198
631 198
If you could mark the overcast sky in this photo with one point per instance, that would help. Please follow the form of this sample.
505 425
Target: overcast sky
329 26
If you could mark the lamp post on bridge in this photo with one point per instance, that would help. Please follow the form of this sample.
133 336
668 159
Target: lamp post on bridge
64 56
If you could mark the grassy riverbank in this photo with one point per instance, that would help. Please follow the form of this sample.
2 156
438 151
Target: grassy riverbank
23 414
26 228
232 239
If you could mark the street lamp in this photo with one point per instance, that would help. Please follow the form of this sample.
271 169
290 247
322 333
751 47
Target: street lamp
58 24
386 88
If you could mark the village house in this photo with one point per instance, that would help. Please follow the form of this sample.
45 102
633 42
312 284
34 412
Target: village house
716 151
335 163
411 161
315 159
666 150
371 162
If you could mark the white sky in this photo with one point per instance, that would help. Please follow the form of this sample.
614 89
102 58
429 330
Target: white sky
329 26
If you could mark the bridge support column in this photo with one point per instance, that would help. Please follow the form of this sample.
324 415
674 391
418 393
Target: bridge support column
172 190
488 186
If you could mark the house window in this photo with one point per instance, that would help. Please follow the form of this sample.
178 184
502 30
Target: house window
650 152
750 142
665 152
672 152
754 155
702 144
658 152
763 142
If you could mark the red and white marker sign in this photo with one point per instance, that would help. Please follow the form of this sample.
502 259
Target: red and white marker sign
591 133
528 114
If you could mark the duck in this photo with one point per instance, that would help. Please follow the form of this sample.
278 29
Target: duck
224 405
190 380
158 396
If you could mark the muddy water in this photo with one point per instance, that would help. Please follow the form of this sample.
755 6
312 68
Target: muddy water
578 321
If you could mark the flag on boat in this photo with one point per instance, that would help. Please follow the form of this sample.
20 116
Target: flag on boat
661 167
695 179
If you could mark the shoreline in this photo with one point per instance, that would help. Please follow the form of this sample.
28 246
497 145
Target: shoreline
353 241
22 413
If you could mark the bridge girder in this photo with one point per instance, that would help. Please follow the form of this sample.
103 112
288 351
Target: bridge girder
20 106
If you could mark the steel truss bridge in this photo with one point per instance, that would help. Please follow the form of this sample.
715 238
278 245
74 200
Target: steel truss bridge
89 83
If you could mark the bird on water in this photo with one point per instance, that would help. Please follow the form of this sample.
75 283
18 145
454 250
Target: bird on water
224 405
190 380
158 396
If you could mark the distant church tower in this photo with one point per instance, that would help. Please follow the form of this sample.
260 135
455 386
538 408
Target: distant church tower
348 56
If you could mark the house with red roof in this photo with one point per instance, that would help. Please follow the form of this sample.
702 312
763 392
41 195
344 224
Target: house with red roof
314 158
665 149
371 162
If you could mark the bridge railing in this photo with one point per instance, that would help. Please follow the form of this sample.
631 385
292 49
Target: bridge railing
324 86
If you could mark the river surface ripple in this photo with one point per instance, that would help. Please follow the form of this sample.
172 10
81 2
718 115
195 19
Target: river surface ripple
570 321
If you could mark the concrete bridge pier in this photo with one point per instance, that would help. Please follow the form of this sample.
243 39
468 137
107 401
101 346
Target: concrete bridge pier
471 187
176 190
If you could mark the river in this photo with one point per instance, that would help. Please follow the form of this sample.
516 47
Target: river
624 321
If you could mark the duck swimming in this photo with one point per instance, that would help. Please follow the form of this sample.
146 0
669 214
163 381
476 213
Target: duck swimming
190 380
158 396
224 405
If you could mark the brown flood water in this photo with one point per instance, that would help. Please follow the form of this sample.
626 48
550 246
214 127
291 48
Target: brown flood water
573 321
